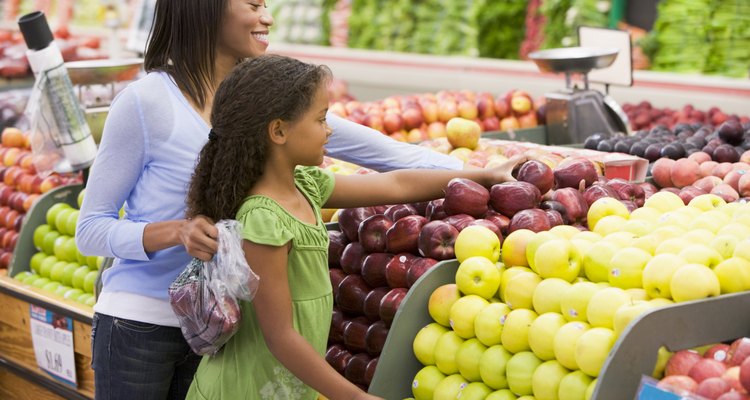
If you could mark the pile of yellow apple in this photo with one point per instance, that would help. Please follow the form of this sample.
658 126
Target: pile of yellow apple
541 320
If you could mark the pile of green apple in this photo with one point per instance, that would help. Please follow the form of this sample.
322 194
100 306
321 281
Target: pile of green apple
58 267
542 319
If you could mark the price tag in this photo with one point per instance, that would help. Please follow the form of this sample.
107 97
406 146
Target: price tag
52 337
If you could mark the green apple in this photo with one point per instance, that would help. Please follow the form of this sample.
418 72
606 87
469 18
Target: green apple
39 233
61 220
590 390
440 302
89 281
59 249
711 220
467 359
609 224
534 243
575 300
60 291
604 304
51 286
57 271
604 207
565 342
693 282
79 276
425 341
70 250
672 246
502 394
573 386
52 213
520 371
507 275
742 249
662 358
478 275
92 262
477 241
446 349
40 282
733 274
725 244
80 258
707 202
545 382
701 254
36 261
585 235
84 298
558 259
71 222
22 275
91 301
48 243
592 349
45 267
520 290
492 366
450 387
657 274
596 260
664 202
515 335
68 271
463 312
425 381
547 295
627 313
565 231
514 248
474 391
626 267
30 279
542 334
645 214
488 324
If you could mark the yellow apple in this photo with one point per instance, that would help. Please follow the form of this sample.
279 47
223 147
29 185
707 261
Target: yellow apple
477 241
520 290
668 232
637 294
662 357
573 386
545 383
604 207
425 340
596 260
638 227
590 390
547 295
661 302
565 342
586 235
742 249
507 275
711 220
565 231
688 213
502 394
533 245
440 302
693 282
628 312
514 248
609 224
735 228
701 254
645 214
488 323
542 334
575 300
583 247
707 202
674 218
478 275
463 312
474 391
558 259
733 274
664 202
603 305
657 274
622 238
520 371
699 235
462 132
425 381
672 246
446 350
492 366
626 267
449 387
515 335
467 359
592 349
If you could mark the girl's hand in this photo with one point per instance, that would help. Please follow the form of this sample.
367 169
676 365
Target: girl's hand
199 236
504 172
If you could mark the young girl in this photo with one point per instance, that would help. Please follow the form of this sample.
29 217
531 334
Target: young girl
259 167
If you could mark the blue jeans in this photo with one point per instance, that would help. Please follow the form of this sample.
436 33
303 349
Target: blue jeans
136 360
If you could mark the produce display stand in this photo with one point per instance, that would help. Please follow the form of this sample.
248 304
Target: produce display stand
537 134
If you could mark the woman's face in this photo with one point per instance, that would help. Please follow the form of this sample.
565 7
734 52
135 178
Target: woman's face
244 32
309 134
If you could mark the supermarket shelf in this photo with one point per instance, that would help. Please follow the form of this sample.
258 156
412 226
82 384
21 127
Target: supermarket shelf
377 74
17 381
42 298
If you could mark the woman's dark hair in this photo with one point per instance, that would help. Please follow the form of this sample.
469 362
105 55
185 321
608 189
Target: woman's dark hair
255 93
182 42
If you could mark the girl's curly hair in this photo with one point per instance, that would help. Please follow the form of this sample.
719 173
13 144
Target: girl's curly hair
255 93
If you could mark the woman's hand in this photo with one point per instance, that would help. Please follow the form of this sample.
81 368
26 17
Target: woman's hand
504 172
200 237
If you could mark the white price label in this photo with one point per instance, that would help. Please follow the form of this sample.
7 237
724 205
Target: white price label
52 337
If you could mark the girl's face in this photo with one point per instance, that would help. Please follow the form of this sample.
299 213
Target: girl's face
309 134
244 32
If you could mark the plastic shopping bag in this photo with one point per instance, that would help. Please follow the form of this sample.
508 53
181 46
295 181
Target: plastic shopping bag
206 295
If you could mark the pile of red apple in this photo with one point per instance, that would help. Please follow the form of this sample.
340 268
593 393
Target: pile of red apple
416 118
721 373
644 116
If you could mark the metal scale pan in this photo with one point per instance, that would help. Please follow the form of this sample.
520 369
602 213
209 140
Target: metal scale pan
571 60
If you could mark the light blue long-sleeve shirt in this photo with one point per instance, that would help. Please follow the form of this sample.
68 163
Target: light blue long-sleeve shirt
151 140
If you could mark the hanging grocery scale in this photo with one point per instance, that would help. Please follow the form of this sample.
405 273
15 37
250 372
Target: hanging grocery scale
574 113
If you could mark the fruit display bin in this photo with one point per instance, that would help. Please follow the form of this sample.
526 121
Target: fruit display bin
677 327
37 216
537 134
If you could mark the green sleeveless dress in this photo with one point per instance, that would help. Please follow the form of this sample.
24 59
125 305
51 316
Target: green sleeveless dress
245 368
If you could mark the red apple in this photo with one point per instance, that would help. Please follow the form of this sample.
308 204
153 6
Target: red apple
738 351
459 221
648 189
688 193
336 244
395 271
509 123
389 304
417 268
706 368
511 197
745 374
336 275
533 219
434 210
371 308
554 218
338 320
538 174
598 191
393 122
498 219
552 205
575 205
375 338
732 376
681 362
486 106
571 171
350 218
413 117
403 236
464 196
489 225
712 388
373 268
354 334
351 258
502 108
374 121
355 368
49 183
679 384
372 232
733 395
370 370
337 356
436 240
351 294
398 211
628 190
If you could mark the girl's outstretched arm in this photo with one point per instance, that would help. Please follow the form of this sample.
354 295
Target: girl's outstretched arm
273 306
409 185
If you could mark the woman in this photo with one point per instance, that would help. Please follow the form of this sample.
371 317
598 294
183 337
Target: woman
154 132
